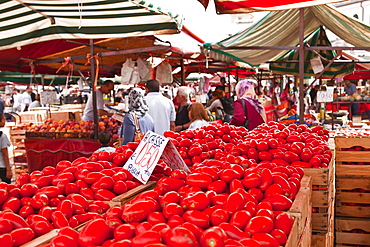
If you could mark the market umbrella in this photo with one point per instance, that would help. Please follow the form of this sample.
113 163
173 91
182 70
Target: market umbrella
243 6
287 64
26 25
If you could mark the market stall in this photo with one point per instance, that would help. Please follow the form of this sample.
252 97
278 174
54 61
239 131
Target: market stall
48 152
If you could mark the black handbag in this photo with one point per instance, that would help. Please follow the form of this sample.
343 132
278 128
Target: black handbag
246 120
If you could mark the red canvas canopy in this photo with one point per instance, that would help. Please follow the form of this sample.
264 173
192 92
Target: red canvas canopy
246 6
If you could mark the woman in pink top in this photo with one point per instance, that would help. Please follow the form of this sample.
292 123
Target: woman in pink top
254 111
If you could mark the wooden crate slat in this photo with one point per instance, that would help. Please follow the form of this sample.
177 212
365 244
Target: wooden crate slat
17 132
320 221
322 176
320 198
352 183
129 194
352 170
352 238
42 239
293 237
353 197
352 156
352 211
348 142
348 224
301 207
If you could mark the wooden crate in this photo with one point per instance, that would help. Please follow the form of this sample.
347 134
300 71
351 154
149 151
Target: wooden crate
300 234
344 185
322 176
345 170
343 236
324 218
348 142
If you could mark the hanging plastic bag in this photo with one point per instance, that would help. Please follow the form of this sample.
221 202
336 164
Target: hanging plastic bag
135 76
164 73
144 69
126 71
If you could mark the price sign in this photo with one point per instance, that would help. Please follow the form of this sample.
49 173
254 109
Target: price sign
143 161
48 97
325 96
173 159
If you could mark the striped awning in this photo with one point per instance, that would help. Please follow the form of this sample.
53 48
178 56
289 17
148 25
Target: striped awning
246 6
288 64
25 22
281 28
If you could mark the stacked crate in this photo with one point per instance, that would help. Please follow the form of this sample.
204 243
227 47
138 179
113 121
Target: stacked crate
323 193
17 137
352 209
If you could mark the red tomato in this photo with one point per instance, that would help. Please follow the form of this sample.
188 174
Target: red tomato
124 231
94 232
196 201
6 240
266 240
172 209
234 203
22 235
229 175
179 236
63 241
241 218
13 204
259 224
284 222
198 218
198 179
252 180
219 216
233 232
279 202
139 211
41 227
214 236
279 235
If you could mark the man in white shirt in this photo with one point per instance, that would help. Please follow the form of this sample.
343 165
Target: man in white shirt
17 100
89 111
161 109
26 99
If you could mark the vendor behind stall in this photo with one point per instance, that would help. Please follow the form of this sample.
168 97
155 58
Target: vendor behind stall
89 111
350 89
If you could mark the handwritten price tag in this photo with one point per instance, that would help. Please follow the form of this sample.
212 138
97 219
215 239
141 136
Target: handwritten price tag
143 161
173 159
325 96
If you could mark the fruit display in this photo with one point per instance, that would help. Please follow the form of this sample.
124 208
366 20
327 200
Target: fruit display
217 204
67 195
71 129
297 145
241 185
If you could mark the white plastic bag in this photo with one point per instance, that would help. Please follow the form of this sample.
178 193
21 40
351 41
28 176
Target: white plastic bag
126 71
144 69
135 77
164 73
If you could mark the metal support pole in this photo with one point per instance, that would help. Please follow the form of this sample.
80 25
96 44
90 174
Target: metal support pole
182 71
93 82
301 65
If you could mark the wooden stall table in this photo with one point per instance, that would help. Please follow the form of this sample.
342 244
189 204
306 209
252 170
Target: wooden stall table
48 152
35 117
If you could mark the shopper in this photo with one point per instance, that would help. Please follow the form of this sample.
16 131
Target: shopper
89 110
254 113
182 116
105 138
161 109
35 103
138 108
5 169
216 105
198 116
17 100
26 99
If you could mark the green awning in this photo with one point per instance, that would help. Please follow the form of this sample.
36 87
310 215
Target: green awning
318 38
24 78
281 28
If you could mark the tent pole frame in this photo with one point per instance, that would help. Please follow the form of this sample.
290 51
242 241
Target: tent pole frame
301 65
94 83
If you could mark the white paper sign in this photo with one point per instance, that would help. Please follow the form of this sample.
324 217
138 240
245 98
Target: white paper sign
325 96
316 65
143 161
48 97
173 159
